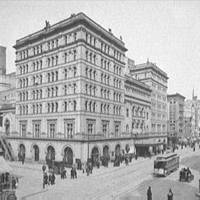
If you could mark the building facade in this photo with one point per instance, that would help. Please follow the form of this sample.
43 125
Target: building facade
70 94
176 124
192 114
156 79
69 83
137 106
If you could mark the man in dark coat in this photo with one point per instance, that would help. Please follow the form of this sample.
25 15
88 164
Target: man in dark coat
149 194
170 195
53 178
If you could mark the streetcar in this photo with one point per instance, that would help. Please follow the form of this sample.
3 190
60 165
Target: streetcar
164 165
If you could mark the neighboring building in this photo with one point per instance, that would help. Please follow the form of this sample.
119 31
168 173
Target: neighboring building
156 79
192 112
137 102
2 60
176 115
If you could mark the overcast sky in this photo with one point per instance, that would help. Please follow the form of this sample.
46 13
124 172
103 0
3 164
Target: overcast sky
166 32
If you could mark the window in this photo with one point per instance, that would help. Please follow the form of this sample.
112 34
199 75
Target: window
74 103
51 128
117 128
65 73
69 128
23 128
91 126
127 112
105 127
36 129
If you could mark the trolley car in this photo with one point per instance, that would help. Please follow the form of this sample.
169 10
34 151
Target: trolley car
164 165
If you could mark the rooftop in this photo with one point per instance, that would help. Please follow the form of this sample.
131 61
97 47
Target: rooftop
136 82
80 18
176 95
149 65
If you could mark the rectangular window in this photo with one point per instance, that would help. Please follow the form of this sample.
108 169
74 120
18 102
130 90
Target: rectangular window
105 127
91 126
69 127
36 129
117 128
51 128
23 128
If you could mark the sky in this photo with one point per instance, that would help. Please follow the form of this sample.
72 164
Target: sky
166 32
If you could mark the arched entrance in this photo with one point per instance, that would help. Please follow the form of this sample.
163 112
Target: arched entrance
95 156
106 151
117 150
7 126
50 153
22 152
68 156
36 153
127 148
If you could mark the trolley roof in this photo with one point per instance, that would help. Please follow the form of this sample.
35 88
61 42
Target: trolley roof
166 156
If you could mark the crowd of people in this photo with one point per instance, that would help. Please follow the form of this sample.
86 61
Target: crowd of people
8 181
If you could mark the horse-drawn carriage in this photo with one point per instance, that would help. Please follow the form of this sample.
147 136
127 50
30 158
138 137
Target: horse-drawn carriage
185 175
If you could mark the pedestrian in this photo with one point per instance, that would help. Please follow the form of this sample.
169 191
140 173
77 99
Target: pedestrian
75 173
45 180
43 168
72 173
149 194
49 179
170 195
53 178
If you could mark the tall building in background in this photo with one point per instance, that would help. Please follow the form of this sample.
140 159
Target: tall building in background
156 79
2 60
192 114
176 124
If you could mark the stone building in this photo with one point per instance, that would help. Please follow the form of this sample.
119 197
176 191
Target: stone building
176 122
156 79
70 94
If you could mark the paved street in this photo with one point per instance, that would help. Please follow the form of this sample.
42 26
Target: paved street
124 182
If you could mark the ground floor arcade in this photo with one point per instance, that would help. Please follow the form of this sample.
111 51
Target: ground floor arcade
40 150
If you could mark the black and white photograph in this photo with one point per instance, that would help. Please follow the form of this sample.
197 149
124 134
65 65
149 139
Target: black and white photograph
99 100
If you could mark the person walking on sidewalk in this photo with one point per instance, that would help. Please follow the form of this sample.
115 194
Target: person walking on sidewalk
149 194
170 195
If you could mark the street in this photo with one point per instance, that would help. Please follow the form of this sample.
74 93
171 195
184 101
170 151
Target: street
124 182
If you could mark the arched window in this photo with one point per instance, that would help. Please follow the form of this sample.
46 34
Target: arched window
56 60
40 108
56 110
26 95
65 106
52 107
74 105
65 73
40 93
56 91
52 92
33 109
86 105
94 106
74 54
56 75
48 77
52 78
74 71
